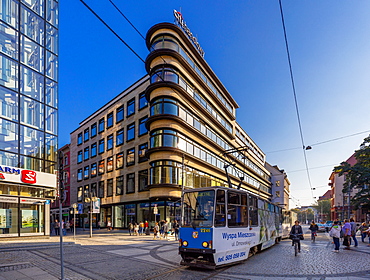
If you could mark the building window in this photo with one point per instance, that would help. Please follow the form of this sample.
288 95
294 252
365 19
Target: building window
101 167
109 187
277 193
277 183
131 107
93 130
142 150
142 127
130 183
86 153
86 134
119 161
66 162
101 125
119 185
79 139
142 101
101 146
130 132
93 189
101 189
143 180
110 120
79 174
79 156
86 172
119 137
110 164
93 150
94 170
80 194
110 142
130 157
120 114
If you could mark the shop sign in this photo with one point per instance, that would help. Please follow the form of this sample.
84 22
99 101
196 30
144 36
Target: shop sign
19 175
80 208
185 28
31 201
96 206
8 199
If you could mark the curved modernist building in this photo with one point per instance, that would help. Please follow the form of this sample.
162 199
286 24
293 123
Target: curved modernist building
175 128
192 124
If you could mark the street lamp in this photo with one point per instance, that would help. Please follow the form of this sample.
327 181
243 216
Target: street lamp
91 199
74 205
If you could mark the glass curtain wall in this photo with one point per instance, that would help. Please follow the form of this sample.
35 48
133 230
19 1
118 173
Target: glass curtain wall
29 83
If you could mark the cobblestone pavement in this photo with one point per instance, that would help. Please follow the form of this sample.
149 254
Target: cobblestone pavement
115 255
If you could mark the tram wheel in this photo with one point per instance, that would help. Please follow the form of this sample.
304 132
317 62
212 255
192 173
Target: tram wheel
252 251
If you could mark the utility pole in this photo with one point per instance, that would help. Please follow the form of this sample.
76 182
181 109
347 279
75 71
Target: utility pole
61 199
182 191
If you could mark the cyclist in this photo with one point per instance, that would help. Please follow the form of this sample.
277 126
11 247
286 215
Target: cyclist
313 228
297 229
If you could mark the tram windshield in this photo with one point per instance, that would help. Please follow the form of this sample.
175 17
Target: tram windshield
198 208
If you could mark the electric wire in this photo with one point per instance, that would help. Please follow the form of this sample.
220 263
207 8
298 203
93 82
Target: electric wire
319 143
295 95
317 167
119 37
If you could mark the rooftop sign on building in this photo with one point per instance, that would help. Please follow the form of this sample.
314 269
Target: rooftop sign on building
185 28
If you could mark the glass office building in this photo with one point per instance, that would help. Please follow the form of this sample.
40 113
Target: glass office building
28 110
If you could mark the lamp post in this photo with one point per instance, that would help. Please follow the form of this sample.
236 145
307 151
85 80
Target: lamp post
91 199
74 205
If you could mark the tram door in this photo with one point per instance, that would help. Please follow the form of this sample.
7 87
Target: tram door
220 213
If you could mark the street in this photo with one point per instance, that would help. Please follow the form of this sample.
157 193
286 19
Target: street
116 255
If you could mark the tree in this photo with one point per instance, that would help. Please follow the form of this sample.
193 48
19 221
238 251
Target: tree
358 176
323 208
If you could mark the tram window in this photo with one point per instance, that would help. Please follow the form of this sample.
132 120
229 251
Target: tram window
253 212
237 215
220 217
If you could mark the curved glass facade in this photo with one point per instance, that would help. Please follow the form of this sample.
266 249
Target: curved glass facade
168 42
171 138
172 107
170 75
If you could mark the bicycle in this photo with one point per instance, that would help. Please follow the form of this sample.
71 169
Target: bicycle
313 236
296 239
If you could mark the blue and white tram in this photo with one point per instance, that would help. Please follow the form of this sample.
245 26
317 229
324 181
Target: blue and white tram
224 225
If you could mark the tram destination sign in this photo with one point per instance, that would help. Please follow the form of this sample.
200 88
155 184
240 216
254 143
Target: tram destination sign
180 21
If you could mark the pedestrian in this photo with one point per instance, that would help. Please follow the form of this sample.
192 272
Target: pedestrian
346 229
130 228
56 227
161 223
99 224
141 228
335 233
363 228
109 225
72 225
353 231
136 229
313 228
68 226
297 229
146 228
156 230
176 228
165 230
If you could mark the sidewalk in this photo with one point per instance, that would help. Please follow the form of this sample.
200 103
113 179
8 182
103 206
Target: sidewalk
11 268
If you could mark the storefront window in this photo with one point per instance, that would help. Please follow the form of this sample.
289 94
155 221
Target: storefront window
32 218
8 189
143 212
119 212
130 213
8 218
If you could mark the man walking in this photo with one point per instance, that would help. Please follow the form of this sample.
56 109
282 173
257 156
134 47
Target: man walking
353 231
347 234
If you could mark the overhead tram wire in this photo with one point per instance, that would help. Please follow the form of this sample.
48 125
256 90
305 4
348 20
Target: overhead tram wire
295 95
319 143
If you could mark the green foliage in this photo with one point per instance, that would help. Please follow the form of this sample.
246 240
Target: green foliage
323 207
358 176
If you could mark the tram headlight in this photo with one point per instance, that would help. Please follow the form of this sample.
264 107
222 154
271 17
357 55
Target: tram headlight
205 244
185 243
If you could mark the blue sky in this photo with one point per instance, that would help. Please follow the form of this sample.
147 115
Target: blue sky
244 44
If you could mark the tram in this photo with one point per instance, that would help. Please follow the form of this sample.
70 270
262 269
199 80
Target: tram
223 226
